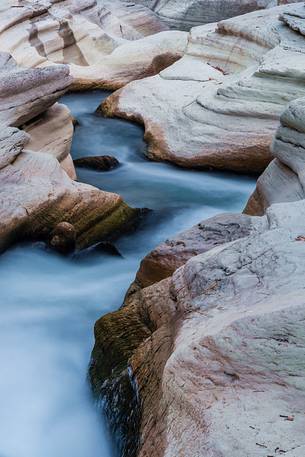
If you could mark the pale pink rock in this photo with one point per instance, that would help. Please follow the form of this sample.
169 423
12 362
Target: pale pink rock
219 106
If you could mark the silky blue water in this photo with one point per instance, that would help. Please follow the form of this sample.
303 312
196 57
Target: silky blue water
49 303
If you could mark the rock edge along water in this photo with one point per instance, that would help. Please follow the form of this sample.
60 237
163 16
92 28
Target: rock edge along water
216 348
36 193
219 106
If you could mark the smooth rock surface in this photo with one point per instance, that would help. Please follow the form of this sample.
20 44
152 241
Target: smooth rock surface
219 106
106 45
27 100
36 194
188 13
210 341
165 259
27 93
283 179
52 133
36 189
216 351
63 238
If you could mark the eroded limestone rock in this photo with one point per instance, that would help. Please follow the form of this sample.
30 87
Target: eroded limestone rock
36 195
36 189
27 93
165 259
188 13
216 351
27 98
283 179
219 106
210 341
104 43
52 133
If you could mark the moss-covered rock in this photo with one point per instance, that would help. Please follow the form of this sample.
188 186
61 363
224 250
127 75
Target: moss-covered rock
117 336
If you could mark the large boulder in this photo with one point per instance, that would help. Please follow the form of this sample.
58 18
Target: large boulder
219 106
106 44
188 13
211 358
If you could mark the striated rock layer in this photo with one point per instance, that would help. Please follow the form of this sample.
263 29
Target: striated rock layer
36 193
188 13
27 98
52 133
106 44
219 106
283 179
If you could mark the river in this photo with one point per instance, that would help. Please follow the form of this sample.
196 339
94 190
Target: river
49 303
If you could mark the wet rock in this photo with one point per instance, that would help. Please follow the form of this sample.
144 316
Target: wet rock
99 163
63 238
219 106
107 248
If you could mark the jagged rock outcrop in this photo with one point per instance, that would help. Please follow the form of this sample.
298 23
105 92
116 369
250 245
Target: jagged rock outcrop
219 106
283 179
214 354
189 13
102 42
36 193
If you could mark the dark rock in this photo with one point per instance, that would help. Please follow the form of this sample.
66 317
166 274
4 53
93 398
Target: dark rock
100 163
107 248
75 122
63 238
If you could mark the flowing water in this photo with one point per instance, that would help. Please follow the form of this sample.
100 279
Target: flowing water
49 303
